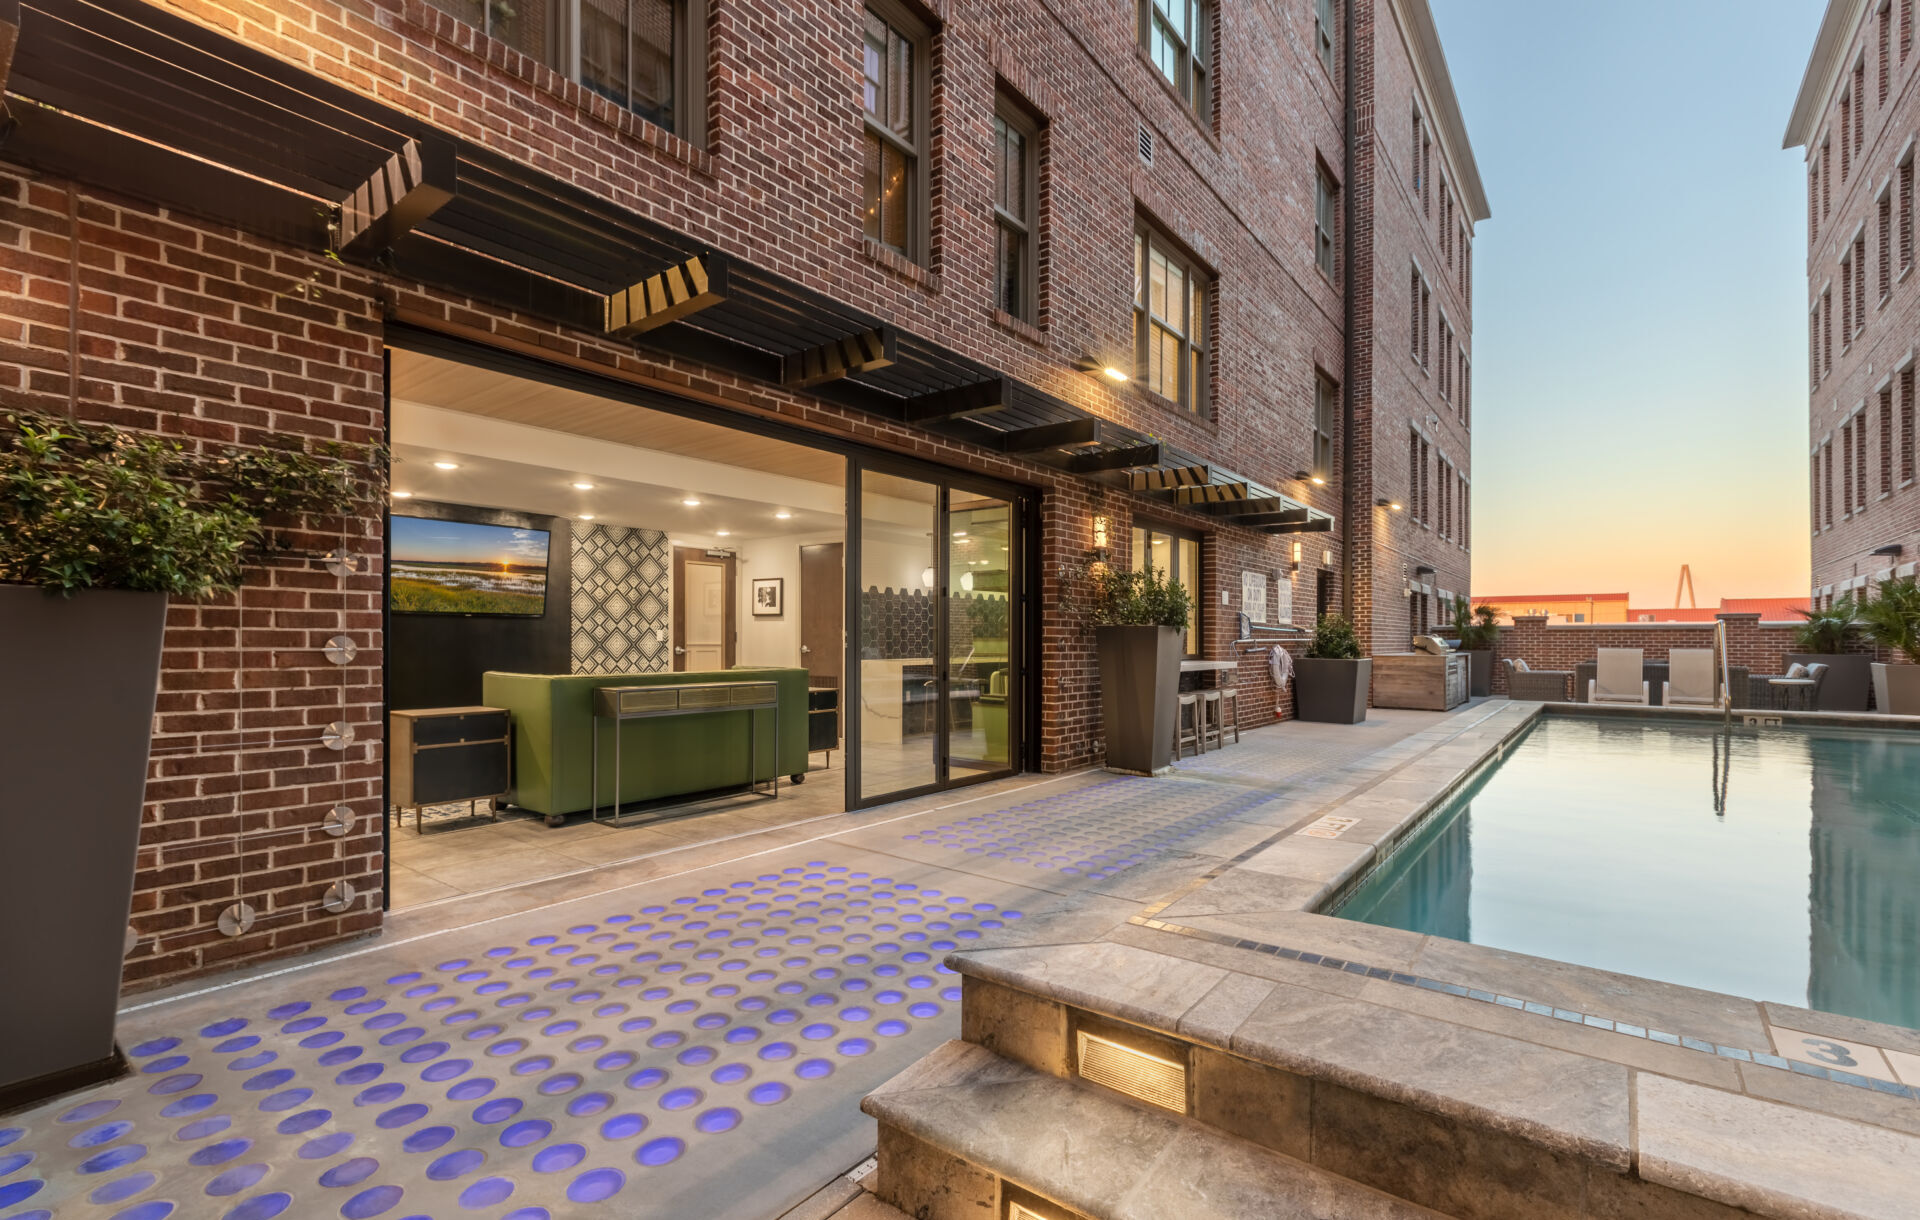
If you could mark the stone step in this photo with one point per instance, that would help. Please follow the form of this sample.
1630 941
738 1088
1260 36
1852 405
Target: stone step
965 1132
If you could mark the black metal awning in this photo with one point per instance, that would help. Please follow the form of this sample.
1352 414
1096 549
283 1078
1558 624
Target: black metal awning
141 100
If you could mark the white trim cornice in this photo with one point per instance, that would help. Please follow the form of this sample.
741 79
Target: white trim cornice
1824 68
1443 106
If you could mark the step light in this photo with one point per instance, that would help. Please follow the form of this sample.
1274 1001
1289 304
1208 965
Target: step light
1145 1069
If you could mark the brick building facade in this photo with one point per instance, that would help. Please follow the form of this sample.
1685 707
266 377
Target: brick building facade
1857 114
1305 163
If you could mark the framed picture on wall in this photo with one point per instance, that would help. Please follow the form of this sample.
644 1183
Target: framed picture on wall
769 597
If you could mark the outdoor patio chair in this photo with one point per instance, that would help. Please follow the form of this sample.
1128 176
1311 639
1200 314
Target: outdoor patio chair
1691 679
1545 685
1618 678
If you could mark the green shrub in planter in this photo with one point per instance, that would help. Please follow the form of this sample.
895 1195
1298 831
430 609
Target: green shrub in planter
1333 640
1139 620
98 527
1892 619
1332 681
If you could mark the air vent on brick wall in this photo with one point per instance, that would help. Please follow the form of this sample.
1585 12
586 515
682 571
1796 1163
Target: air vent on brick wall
1146 146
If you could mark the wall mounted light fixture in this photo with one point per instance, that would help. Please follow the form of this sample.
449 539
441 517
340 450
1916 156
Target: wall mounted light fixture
1112 372
1387 503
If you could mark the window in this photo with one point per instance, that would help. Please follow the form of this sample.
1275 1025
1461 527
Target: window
1859 102
646 55
1015 206
1846 143
1443 478
1860 281
1826 331
1886 40
1826 194
1467 276
1460 240
1413 312
1907 446
1813 201
1860 461
1322 594
1826 480
1170 321
1426 176
1176 35
1446 361
1846 467
1446 221
1419 142
1813 348
1466 513
1466 390
1326 410
1884 251
1906 213
1846 300
1177 554
1323 199
1813 481
1426 316
1413 474
1886 438
895 95
1323 32
1906 28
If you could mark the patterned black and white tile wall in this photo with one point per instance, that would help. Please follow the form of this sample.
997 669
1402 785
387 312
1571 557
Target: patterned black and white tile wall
621 600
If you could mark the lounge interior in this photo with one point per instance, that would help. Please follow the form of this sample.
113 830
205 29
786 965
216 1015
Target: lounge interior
675 551
546 542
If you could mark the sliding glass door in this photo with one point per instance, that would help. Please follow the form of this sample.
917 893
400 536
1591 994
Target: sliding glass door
936 631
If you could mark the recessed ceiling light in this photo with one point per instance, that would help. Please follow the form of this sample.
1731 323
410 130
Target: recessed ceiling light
446 465
583 486
782 515
690 502
403 495
959 533
586 516
723 533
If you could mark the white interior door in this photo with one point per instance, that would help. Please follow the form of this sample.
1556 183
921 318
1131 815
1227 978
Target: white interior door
703 602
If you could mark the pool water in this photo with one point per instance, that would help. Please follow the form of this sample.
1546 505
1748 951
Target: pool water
1778 864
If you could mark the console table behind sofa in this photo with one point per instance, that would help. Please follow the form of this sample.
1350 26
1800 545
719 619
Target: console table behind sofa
553 739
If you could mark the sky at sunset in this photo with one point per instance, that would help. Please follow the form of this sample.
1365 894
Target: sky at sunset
1639 294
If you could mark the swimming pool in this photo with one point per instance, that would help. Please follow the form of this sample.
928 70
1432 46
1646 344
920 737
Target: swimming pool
1780 864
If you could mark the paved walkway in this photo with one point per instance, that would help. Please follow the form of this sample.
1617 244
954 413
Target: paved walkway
684 1036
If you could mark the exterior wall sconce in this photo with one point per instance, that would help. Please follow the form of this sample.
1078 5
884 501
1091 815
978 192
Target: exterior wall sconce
1307 476
1422 572
1295 565
1385 502
1892 549
1087 364
1102 550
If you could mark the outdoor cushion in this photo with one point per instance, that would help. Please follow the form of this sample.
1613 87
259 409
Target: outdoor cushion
1521 665
1796 670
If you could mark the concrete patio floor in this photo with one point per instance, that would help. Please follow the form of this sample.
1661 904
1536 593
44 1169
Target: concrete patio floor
686 1033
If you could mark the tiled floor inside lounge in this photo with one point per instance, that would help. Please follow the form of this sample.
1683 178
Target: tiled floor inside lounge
695 1044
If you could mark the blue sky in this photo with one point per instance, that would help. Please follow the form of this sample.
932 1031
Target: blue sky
423 540
1639 294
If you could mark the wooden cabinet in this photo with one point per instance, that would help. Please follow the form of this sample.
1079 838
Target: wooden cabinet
448 754
1420 680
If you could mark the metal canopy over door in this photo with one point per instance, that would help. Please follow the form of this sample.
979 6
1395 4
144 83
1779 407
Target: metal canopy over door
936 625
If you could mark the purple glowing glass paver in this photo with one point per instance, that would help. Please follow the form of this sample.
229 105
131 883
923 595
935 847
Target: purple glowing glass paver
485 1193
260 1207
235 1180
152 1209
527 1131
496 1111
680 1099
220 1153
556 1158
623 1126
320 1147
717 1120
350 1173
102 1162
303 1122
854 1046
588 1104
467 1090
596 1185
814 1069
122 1188
193 1103
428 1139
768 1093
646 1078
374 1201
663 1151
456 1164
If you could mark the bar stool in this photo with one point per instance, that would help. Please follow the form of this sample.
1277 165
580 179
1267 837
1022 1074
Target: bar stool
1210 719
1189 713
1225 706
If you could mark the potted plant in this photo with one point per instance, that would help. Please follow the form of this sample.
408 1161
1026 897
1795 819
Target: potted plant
1332 681
1823 638
1139 620
98 528
1477 633
1892 620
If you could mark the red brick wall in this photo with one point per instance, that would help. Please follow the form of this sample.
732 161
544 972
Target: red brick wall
1863 364
1402 394
1761 647
214 339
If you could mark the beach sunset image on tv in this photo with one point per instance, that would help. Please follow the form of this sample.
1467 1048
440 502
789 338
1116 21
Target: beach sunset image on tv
458 567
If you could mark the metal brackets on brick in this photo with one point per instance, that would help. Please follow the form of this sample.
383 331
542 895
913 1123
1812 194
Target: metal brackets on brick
670 295
857 353
414 183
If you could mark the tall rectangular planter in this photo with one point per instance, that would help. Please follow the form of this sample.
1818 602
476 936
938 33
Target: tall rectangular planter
1139 686
1849 677
1896 689
77 684
1480 675
1332 692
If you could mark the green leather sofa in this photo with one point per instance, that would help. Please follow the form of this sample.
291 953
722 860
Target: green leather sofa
553 731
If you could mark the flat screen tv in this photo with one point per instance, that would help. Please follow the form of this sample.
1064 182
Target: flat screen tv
461 567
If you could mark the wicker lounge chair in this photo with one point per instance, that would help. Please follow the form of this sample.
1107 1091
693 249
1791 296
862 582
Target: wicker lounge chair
1544 685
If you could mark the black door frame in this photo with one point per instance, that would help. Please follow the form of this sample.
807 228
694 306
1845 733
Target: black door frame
1022 625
